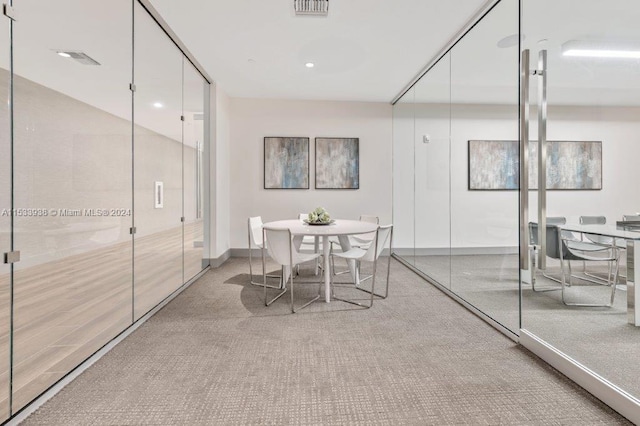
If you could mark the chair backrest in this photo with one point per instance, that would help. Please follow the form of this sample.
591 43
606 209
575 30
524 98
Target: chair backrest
593 220
630 217
383 234
255 231
556 220
369 219
279 245
553 244
551 220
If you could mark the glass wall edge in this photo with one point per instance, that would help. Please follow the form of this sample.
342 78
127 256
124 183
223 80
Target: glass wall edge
475 18
146 4
615 397
471 308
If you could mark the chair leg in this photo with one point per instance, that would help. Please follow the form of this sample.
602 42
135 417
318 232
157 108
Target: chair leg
268 302
590 305
373 276
353 302
544 274
294 309
261 284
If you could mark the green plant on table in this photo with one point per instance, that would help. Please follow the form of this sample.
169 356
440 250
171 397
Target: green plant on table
319 215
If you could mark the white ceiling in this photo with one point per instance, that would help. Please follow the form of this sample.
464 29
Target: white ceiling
364 50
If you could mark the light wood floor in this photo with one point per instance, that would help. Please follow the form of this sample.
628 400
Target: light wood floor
67 309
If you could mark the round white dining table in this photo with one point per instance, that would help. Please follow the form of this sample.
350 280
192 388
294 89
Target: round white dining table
340 228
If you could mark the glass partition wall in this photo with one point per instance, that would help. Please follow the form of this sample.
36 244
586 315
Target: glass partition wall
465 238
588 100
101 183
5 219
484 210
158 77
469 218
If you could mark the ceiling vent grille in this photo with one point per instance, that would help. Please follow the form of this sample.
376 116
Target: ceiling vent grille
81 57
311 7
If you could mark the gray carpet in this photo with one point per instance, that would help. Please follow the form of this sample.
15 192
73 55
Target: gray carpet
598 338
217 356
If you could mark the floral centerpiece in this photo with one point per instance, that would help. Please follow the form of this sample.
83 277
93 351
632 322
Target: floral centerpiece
319 216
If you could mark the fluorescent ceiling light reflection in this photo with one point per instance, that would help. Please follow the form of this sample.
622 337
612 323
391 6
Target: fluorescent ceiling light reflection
600 49
158 104
594 53
309 65
64 54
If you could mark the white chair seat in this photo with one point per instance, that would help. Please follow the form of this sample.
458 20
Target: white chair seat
300 257
352 254
584 246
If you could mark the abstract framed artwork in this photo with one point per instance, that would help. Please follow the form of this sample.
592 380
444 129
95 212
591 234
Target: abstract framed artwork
571 165
337 163
286 163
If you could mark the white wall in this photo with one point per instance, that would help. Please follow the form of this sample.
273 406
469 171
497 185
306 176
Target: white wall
220 172
253 119
490 218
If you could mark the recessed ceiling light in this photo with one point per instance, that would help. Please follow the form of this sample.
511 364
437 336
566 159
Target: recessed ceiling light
510 41
158 104
309 65
251 61
77 55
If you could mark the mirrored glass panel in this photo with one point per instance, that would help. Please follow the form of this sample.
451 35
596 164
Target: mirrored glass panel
193 170
403 178
484 155
72 186
158 164
592 71
432 158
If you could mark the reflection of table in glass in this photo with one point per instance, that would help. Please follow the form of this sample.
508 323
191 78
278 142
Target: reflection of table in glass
633 258
340 228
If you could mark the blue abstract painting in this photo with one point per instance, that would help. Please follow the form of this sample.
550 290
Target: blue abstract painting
286 163
571 165
337 163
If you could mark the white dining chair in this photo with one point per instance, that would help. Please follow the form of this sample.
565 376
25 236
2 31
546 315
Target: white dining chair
280 247
364 240
361 240
371 254
619 243
256 240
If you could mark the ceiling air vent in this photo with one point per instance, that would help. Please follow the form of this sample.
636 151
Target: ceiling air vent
81 57
311 7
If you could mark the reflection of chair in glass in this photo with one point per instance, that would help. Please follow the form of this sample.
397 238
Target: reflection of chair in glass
631 217
371 254
279 244
255 240
565 250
